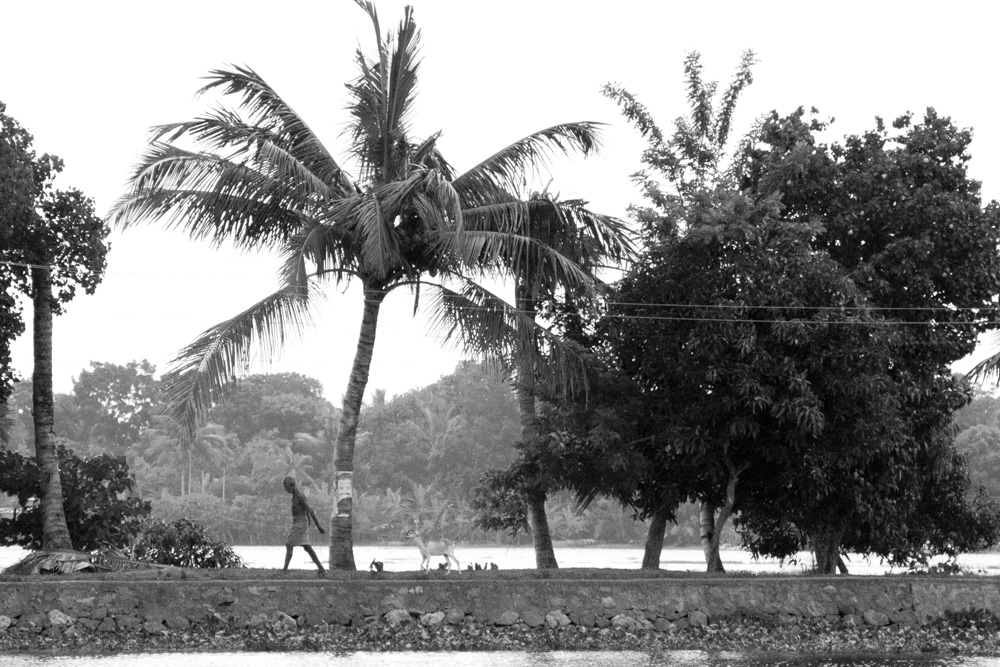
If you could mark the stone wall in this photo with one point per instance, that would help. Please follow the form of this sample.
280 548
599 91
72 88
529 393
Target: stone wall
73 608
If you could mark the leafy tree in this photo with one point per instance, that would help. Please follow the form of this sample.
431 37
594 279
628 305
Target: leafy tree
100 508
903 219
114 403
52 243
208 443
408 220
287 403
692 162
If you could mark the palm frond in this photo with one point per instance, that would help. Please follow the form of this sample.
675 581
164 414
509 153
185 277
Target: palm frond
551 243
205 371
402 74
327 247
210 197
988 370
486 326
379 246
504 172
383 95
276 120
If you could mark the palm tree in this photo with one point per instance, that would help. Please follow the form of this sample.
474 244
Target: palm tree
179 448
407 219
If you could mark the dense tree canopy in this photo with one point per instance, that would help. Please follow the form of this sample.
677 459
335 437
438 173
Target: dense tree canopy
900 215
795 314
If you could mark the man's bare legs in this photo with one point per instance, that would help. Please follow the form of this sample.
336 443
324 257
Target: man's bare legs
309 550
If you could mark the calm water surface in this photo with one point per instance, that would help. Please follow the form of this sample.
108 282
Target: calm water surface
487 659
406 558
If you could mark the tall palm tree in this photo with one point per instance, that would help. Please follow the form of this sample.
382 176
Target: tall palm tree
407 219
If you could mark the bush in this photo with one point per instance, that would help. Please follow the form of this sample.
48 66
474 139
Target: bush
183 543
99 512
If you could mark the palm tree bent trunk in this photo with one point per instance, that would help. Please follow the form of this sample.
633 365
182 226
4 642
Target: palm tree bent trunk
341 528
55 534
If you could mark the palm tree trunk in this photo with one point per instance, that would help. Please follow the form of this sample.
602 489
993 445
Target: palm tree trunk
654 539
534 498
341 528
541 536
55 533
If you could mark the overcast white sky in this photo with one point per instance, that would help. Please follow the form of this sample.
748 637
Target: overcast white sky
89 78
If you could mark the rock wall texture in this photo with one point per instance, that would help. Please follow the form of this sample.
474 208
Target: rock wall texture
74 608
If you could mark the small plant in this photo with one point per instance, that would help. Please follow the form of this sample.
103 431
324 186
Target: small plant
183 543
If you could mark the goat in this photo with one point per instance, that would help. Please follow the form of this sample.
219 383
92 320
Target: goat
445 548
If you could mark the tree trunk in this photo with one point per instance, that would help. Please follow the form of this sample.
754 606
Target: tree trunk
711 525
709 538
541 536
654 539
341 528
826 551
534 499
55 534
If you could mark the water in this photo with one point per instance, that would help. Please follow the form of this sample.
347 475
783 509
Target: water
406 558
491 659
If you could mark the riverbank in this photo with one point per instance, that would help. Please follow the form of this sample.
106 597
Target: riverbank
967 636
243 610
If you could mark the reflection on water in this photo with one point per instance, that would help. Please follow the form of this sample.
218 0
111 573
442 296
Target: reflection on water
490 659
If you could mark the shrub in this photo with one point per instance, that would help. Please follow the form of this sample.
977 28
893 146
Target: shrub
183 543
99 511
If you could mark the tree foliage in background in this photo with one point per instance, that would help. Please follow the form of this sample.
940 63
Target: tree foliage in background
115 402
287 403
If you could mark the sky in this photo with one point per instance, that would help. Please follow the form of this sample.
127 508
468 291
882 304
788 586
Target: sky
88 80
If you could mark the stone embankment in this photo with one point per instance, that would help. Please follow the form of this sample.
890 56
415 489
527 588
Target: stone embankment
64 609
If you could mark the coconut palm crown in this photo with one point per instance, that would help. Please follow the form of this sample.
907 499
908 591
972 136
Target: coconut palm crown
258 177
